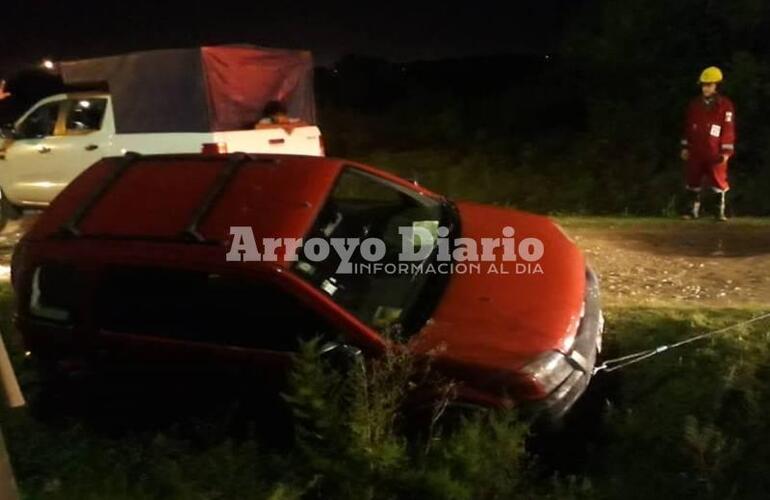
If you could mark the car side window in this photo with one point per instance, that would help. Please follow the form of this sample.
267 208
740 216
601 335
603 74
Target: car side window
41 122
206 308
85 115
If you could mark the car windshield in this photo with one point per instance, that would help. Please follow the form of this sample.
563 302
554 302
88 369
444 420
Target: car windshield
364 206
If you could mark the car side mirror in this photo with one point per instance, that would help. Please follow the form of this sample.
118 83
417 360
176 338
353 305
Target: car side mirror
8 131
342 356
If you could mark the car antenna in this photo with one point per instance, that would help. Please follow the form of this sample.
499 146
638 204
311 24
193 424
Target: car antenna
205 206
70 228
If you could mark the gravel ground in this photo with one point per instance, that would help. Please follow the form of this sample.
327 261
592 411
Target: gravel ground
679 263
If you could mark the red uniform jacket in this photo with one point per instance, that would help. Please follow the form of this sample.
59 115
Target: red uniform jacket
709 130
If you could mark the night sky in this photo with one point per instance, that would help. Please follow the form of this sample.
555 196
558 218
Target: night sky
399 31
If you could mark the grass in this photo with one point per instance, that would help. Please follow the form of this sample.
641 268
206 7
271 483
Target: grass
689 423
550 180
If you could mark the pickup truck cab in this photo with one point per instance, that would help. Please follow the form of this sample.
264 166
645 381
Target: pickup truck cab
62 135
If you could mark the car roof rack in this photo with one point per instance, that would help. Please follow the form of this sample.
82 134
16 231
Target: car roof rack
224 177
71 227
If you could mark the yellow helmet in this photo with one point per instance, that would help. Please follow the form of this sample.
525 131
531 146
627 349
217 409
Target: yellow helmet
711 74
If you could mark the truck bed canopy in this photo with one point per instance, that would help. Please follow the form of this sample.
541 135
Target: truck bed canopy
205 89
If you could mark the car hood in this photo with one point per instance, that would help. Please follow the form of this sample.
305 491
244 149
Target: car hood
505 320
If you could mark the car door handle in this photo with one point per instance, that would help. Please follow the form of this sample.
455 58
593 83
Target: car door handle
92 147
43 150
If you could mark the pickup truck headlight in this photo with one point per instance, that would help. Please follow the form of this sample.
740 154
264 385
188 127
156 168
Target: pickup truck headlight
549 370
50 293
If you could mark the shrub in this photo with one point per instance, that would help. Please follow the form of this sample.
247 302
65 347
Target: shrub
352 445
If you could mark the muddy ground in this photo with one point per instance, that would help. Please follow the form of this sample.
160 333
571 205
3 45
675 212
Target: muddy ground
655 262
678 263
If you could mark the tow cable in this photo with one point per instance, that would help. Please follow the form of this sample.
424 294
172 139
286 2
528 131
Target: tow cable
612 365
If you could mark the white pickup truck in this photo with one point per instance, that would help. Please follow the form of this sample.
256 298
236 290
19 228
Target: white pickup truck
63 135
173 101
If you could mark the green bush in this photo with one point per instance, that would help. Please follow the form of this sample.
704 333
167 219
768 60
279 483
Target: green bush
352 445
350 441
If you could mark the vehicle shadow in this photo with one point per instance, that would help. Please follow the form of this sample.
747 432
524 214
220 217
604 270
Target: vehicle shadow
200 407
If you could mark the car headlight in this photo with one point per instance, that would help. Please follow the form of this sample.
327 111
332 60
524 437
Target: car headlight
549 370
49 296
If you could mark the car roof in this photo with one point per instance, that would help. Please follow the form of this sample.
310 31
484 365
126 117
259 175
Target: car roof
75 95
86 95
163 197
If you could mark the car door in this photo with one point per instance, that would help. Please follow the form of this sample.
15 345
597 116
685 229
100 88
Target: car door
201 325
87 133
29 158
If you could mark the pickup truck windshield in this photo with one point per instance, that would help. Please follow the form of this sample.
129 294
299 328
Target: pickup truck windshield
41 122
365 206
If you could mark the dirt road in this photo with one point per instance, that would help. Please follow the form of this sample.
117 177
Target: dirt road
656 262
660 262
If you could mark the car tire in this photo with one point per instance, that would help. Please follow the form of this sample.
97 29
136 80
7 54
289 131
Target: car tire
8 211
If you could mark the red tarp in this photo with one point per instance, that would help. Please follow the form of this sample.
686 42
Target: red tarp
199 90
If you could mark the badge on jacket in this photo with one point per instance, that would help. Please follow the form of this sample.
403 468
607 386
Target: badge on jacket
716 130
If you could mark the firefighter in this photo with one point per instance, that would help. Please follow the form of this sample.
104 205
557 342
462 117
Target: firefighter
708 143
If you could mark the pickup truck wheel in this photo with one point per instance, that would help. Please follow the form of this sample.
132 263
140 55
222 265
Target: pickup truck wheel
8 211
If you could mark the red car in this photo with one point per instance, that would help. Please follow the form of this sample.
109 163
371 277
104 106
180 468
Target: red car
147 259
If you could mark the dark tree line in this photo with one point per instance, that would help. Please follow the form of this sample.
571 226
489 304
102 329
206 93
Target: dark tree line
593 127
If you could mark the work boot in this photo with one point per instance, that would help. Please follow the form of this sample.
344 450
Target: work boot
693 205
721 206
